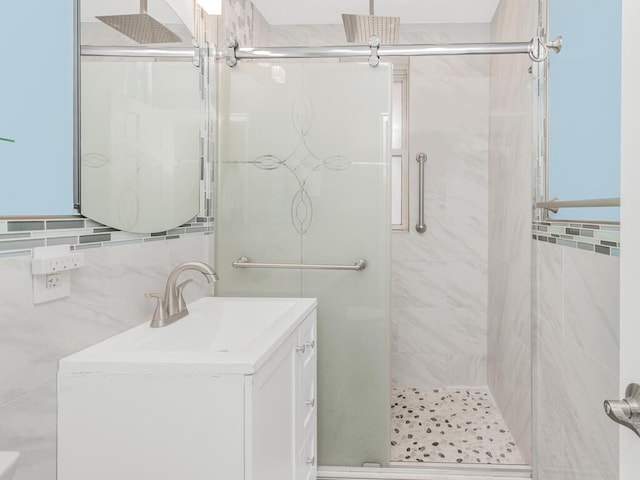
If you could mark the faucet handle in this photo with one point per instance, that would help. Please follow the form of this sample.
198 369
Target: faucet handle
182 305
159 314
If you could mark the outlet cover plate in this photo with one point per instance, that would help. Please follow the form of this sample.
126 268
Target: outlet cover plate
45 287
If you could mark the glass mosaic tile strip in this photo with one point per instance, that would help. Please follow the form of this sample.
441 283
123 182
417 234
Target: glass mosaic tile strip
59 224
19 237
603 239
25 225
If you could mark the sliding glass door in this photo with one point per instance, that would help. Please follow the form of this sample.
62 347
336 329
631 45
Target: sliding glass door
303 178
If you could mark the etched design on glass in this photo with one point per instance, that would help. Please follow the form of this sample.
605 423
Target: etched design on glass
302 162
94 160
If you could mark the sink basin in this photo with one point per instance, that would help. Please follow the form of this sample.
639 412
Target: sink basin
221 335
8 462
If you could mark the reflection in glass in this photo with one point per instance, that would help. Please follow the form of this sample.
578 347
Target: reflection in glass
396 189
140 165
141 155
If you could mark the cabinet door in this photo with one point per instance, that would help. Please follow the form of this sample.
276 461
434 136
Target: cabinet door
307 458
149 427
270 417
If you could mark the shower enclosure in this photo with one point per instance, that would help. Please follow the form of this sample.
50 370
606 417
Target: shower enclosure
437 372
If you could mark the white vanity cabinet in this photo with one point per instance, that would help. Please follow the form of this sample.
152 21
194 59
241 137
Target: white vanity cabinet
280 405
165 404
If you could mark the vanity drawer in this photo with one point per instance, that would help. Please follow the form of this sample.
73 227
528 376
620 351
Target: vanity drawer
307 459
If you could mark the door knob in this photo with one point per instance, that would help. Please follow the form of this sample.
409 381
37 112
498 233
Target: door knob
626 412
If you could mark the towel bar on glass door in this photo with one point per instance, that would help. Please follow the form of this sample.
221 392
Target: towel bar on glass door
243 262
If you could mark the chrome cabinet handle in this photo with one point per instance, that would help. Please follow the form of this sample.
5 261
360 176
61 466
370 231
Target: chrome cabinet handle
311 461
303 348
311 402
626 412
421 158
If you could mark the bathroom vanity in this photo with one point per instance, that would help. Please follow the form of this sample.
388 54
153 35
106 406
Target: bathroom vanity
228 392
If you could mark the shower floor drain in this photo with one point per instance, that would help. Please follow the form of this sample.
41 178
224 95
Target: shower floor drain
457 425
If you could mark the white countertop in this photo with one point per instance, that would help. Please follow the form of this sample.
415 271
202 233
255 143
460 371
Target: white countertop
221 335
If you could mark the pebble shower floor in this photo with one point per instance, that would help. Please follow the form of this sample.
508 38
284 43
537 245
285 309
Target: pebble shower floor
449 425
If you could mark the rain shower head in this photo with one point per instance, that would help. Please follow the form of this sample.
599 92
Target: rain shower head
360 28
140 27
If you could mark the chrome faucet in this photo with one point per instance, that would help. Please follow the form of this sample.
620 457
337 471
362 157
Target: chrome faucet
171 306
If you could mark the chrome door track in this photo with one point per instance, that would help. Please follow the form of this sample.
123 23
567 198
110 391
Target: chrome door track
436 471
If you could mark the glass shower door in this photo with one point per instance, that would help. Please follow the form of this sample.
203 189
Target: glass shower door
303 177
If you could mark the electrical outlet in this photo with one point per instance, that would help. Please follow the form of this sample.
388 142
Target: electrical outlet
54 280
51 268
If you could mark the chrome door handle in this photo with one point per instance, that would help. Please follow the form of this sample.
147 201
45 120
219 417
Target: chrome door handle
626 412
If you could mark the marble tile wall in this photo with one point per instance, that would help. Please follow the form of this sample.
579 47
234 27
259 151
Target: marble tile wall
439 286
237 21
107 297
510 194
577 359
242 20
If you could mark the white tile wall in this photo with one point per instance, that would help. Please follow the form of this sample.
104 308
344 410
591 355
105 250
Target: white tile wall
107 297
440 277
577 334
510 183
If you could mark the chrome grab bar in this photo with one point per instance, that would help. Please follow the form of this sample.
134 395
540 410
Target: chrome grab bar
421 158
243 262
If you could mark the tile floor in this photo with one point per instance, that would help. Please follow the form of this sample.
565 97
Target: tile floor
457 425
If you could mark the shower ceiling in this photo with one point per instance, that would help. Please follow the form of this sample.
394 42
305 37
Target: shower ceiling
319 12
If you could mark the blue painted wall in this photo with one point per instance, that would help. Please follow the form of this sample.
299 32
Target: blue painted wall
584 105
36 107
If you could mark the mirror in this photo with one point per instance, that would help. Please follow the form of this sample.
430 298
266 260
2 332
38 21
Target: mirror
142 152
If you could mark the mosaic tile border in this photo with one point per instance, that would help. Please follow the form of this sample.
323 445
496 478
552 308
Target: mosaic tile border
19 237
593 237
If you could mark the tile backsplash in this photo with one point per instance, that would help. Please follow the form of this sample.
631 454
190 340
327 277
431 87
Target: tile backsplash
18 237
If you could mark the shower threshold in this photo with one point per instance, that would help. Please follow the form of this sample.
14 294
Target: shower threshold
433 471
